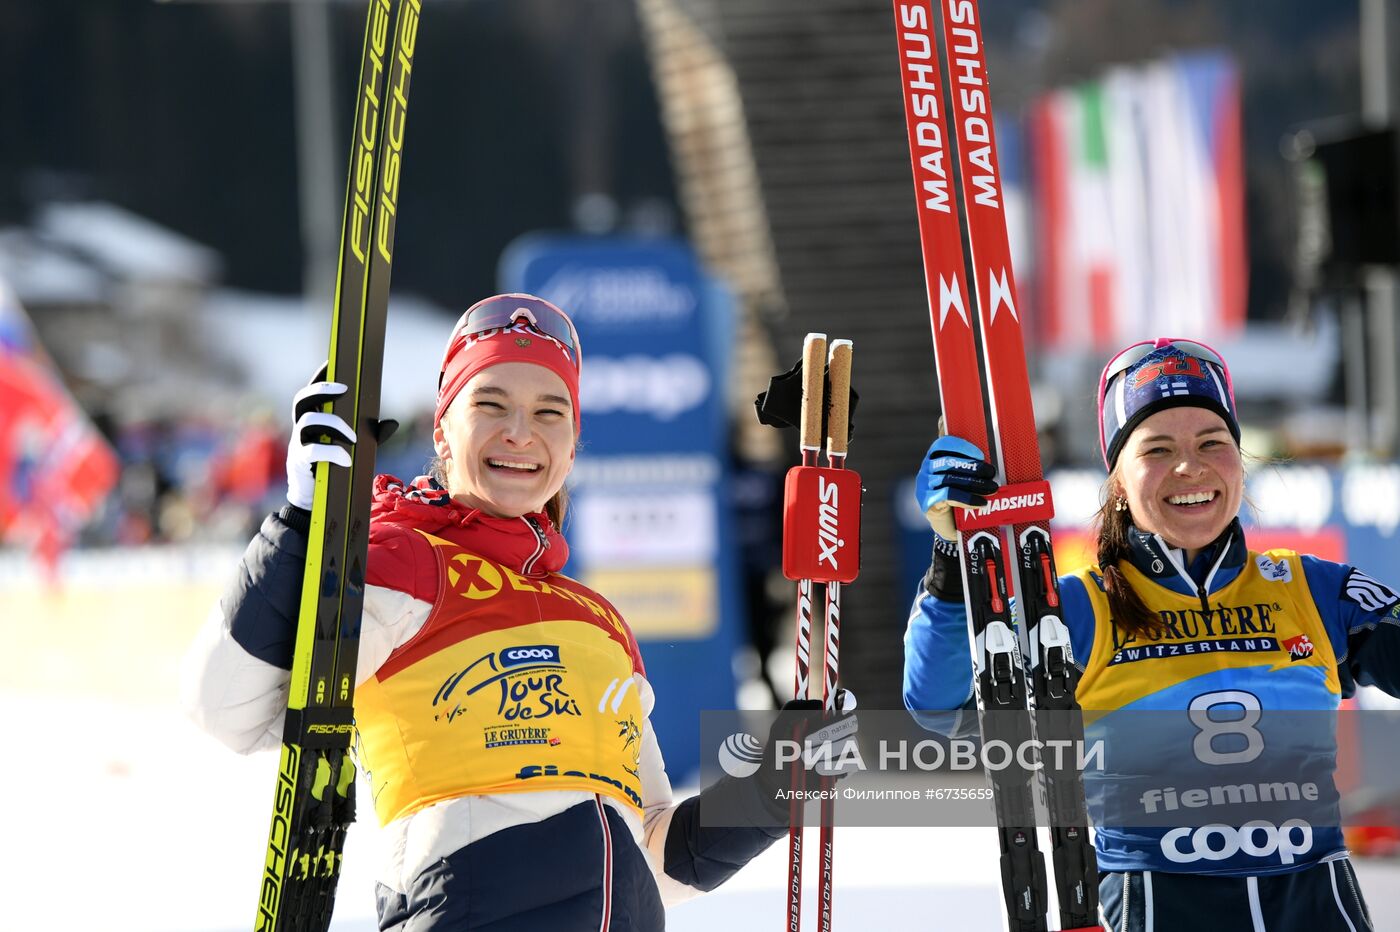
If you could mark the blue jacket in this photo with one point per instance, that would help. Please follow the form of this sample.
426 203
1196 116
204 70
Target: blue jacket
1355 614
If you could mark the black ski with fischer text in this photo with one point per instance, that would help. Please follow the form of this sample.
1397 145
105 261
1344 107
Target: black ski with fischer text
314 802
1005 548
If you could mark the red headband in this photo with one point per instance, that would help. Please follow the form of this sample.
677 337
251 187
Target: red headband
521 343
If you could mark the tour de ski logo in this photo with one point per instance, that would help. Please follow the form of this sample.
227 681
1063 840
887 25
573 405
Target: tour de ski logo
523 683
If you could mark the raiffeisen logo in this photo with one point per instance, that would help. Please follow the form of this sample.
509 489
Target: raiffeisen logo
828 523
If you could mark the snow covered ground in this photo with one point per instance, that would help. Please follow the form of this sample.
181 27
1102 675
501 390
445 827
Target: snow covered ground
121 816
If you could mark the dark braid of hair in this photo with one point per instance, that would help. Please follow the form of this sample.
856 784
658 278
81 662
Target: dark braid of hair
1125 606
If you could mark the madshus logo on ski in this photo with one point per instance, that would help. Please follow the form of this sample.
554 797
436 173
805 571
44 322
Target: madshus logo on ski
1012 504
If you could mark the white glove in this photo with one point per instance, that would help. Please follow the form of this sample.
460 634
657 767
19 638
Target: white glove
310 427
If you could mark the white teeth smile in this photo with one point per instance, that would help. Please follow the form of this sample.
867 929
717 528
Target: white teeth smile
1192 498
506 464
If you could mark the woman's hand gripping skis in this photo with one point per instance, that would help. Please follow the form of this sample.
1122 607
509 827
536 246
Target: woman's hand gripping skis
1005 547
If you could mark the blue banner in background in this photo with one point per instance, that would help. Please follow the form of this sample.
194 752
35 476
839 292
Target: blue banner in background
649 526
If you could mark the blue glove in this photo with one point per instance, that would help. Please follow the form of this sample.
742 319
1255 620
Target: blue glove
954 472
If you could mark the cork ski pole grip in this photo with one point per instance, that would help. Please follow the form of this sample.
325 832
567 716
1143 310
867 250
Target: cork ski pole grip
839 405
813 377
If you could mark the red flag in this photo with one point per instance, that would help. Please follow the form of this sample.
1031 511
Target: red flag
55 468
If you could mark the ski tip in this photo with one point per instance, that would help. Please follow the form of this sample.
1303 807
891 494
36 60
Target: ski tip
835 345
811 338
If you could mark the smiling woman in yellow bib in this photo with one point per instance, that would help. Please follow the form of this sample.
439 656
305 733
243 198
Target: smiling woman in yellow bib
1202 645
502 707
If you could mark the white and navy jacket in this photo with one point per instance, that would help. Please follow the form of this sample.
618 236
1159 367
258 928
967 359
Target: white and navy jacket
502 716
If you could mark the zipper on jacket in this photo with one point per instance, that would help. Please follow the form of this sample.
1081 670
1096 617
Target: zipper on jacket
1201 588
542 544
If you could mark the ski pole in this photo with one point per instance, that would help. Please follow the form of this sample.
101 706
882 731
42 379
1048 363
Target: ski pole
810 444
839 369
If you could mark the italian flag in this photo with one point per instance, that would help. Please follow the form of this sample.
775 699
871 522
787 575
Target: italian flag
1138 202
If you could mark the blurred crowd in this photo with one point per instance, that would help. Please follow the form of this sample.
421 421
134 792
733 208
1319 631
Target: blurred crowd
197 480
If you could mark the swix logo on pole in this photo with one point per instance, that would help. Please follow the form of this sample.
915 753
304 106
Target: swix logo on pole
821 524
1013 504
829 522
919 54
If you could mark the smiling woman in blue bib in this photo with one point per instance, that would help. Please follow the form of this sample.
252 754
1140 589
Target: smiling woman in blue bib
1212 672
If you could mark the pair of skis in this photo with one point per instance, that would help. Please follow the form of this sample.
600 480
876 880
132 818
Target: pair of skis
986 397
314 802
821 541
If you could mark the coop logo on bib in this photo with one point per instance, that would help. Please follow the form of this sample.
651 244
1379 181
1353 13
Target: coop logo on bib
1258 839
542 653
